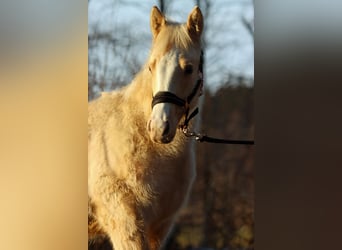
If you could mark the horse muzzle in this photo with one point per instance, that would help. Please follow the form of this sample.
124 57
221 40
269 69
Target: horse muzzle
160 131
163 123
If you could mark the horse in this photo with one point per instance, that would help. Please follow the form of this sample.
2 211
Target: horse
141 167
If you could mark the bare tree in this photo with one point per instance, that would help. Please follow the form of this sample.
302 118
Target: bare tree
112 55
163 5
248 25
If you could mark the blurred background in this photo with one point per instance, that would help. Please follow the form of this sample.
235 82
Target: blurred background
220 212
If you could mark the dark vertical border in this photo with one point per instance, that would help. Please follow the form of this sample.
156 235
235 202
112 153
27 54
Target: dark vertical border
298 129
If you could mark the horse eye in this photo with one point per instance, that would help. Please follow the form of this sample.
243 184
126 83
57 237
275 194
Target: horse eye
188 69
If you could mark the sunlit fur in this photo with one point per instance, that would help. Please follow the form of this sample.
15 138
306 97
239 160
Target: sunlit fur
172 35
136 186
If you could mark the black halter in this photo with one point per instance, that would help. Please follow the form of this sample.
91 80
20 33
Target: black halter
168 97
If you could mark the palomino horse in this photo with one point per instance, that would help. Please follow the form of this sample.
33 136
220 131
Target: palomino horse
140 165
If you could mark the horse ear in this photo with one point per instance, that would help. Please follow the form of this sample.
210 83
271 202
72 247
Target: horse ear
157 21
195 23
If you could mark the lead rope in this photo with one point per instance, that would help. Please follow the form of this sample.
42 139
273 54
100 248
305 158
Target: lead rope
204 138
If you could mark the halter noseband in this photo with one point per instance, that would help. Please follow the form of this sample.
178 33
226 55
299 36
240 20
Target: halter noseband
168 97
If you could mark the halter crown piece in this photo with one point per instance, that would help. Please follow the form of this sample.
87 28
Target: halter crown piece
168 97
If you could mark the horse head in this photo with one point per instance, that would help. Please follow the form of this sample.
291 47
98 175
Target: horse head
176 72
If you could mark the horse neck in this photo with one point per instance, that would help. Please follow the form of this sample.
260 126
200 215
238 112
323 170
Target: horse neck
140 92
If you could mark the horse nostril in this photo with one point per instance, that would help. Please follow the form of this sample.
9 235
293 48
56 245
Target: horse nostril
166 128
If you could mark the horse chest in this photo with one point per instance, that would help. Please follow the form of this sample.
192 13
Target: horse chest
170 183
171 179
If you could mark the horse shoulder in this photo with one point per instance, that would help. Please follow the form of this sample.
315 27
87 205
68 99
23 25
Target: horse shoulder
102 116
112 135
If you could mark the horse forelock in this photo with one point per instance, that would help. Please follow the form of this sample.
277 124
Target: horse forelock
173 35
